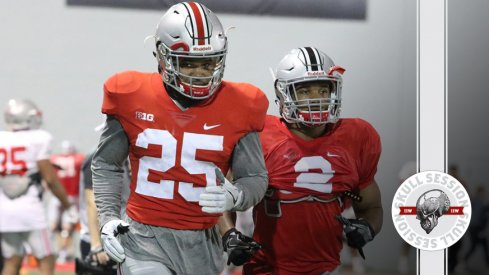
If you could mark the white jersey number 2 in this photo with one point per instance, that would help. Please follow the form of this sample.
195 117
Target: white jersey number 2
314 181
191 143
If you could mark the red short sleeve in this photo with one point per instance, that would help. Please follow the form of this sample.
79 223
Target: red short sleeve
259 111
109 103
116 87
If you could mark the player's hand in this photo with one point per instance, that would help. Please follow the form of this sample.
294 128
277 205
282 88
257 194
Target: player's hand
239 247
223 197
71 214
98 256
109 239
358 233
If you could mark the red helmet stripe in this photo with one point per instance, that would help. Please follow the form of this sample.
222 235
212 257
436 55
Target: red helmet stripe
199 22
180 45
206 23
336 68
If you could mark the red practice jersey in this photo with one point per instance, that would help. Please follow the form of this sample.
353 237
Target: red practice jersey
306 177
173 153
69 172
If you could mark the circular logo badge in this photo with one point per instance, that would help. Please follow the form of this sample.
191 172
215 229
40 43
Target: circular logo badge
431 210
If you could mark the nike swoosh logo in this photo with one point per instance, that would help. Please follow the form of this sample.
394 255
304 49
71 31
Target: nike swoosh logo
208 127
331 155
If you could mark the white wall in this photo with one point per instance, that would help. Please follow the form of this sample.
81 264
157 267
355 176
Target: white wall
60 57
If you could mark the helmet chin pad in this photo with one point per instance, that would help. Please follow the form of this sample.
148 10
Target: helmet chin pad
312 113
194 91
313 119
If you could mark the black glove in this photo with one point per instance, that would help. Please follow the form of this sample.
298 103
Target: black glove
239 247
91 266
358 232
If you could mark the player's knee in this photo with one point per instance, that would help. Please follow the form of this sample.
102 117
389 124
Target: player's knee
13 261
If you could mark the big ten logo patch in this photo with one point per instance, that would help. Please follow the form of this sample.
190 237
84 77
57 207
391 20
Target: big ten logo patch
145 116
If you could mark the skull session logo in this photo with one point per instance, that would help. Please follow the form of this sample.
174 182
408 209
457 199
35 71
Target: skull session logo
431 210
428 210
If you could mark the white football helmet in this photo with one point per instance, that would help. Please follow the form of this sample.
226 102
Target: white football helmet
304 65
22 114
190 30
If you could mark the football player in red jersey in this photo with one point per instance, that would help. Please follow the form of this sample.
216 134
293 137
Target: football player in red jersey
315 162
178 127
69 160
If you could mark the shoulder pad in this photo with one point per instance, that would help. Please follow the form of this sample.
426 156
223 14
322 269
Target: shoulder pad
124 82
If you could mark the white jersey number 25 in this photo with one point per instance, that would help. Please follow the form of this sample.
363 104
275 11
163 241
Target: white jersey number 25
191 143
10 164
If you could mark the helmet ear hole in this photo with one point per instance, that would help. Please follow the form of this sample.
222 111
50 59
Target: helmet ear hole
159 49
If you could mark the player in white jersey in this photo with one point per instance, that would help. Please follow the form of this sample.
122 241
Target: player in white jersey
24 162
